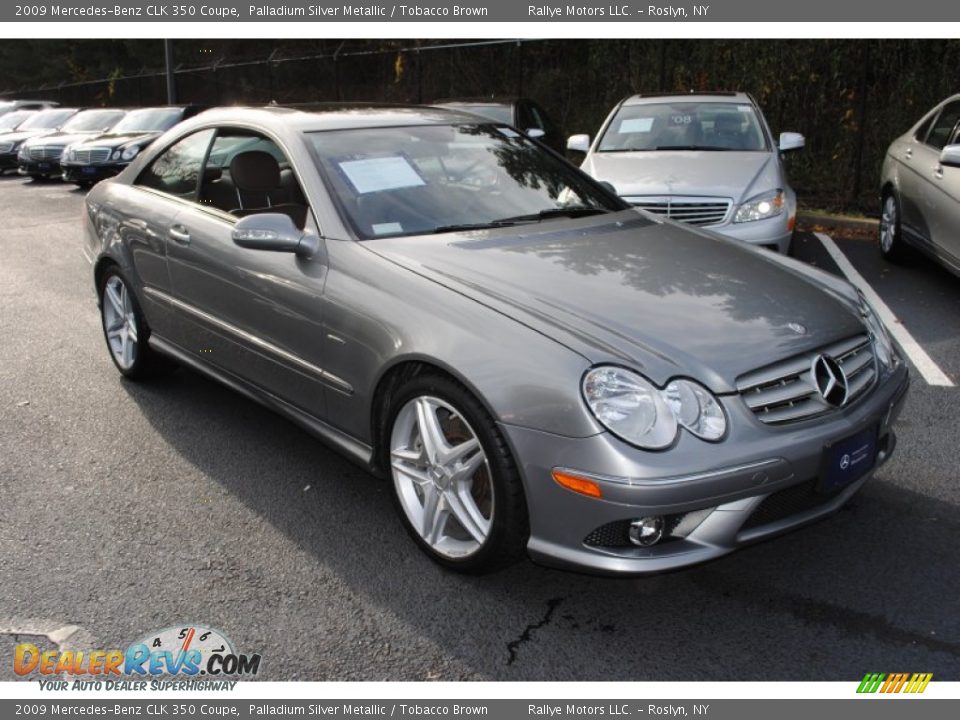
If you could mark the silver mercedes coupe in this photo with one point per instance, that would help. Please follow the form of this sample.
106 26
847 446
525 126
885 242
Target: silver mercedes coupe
534 365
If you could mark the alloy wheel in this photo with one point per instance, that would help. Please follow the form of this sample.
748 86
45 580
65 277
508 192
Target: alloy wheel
442 477
120 322
888 223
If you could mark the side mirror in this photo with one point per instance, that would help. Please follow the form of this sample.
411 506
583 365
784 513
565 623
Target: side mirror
950 156
535 133
275 232
791 141
608 186
579 143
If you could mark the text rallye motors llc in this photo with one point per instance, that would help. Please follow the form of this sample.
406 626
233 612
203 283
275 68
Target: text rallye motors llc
384 11
616 11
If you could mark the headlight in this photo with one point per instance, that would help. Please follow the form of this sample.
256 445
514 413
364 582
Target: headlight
116 154
696 409
632 408
22 153
761 207
129 153
878 332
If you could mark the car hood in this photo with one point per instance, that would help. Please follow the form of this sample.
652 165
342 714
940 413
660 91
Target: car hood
622 288
62 138
19 135
114 141
733 174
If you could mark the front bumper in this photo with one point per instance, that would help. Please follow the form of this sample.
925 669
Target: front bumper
773 233
39 168
89 173
759 482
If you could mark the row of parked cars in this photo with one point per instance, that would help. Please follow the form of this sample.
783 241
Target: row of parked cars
79 145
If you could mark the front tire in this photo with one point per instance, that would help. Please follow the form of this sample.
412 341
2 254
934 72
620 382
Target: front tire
125 329
890 238
454 481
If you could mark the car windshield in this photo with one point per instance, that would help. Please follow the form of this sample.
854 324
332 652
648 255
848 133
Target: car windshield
684 126
444 178
148 120
47 119
500 113
13 119
90 120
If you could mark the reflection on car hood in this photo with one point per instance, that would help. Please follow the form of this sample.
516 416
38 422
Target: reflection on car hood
62 138
732 174
621 288
112 141
23 135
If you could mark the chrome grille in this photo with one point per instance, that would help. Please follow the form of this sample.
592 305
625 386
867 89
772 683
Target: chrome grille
786 391
691 210
45 152
6 147
90 155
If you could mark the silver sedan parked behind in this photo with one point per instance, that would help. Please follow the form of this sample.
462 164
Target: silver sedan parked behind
532 363
920 188
706 159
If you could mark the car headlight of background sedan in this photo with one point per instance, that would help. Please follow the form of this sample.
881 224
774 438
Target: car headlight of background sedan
761 207
128 153
883 345
635 410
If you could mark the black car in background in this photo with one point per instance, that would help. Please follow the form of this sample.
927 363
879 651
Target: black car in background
93 159
43 122
521 113
39 157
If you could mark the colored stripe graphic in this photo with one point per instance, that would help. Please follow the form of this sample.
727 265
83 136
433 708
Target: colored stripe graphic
894 682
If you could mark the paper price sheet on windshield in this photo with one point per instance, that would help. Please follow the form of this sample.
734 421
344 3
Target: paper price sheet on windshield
382 173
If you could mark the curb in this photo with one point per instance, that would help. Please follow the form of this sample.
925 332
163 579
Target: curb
837 220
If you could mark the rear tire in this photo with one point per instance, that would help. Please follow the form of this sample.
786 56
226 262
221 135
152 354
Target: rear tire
458 492
125 329
890 237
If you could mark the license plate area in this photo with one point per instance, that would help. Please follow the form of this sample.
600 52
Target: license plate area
87 170
43 166
847 460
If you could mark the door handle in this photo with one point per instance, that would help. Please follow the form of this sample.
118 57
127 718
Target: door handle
908 154
938 172
179 234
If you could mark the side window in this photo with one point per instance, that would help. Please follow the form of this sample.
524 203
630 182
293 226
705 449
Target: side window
247 174
942 129
921 133
538 120
176 171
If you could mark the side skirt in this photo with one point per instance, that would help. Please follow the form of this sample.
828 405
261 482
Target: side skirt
356 451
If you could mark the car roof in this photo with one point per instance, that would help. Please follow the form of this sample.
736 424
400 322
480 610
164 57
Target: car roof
703 97
339 116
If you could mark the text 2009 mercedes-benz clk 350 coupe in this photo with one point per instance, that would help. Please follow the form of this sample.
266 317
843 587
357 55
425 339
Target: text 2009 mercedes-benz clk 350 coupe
533 364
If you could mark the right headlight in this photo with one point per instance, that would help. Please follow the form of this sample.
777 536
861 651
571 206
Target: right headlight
635 410
761 207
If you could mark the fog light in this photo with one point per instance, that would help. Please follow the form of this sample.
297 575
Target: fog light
646 531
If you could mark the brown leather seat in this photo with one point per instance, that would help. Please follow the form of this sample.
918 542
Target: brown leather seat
259 188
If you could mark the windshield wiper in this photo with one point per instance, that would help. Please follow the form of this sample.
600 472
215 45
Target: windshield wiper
692 147
475 226
577 211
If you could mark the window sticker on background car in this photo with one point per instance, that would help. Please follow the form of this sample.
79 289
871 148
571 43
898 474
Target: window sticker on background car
635 125
744 108
385 228
382 173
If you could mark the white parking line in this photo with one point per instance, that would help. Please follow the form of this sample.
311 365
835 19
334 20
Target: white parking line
930 371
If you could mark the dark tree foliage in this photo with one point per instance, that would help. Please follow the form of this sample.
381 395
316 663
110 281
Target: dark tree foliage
849 97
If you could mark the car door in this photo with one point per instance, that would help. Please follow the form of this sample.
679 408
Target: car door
921 187
945 221
252 313
149 210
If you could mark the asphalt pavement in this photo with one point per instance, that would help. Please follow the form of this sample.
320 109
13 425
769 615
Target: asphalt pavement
126 508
